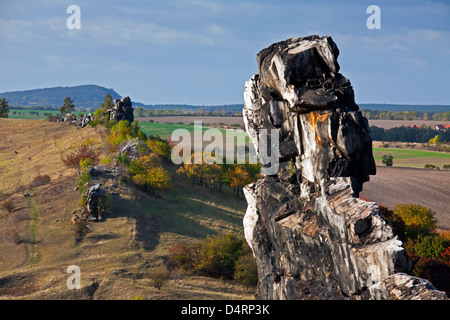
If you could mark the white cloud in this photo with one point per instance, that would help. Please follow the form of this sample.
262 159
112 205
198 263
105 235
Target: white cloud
422 39
105 30
416 63
15 29
216 29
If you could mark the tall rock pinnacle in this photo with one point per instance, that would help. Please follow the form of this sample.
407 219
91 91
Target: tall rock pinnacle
312 237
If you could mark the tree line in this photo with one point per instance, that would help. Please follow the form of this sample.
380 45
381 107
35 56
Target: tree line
405 115
407 134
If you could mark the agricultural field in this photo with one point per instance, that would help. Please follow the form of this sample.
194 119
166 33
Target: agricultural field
412 158
429 188
30 114
237 137
228 121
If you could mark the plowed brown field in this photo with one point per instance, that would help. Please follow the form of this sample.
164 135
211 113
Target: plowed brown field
430 188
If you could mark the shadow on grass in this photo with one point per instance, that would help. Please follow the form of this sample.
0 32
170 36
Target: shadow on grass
155 216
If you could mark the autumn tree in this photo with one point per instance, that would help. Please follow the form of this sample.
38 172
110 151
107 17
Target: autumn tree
158 145
191 170
148 174
212 174
238 177
83 152
415 220
154 179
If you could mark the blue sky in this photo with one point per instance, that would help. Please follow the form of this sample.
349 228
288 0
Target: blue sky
201 52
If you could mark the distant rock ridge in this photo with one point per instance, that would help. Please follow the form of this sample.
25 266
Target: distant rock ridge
121 110
311 235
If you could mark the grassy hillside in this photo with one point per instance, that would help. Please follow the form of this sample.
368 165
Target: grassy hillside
38 241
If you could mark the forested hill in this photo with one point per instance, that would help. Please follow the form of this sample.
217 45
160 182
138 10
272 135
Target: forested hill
84 96
91 96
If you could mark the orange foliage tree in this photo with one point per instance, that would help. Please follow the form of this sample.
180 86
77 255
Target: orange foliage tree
83 152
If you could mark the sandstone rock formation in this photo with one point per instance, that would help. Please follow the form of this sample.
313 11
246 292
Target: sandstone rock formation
311 235
121 110
95 194
84 120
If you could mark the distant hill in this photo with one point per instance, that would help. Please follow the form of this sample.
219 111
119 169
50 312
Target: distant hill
91 96
88 96
84 96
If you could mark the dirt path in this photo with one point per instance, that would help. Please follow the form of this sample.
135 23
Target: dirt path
430 188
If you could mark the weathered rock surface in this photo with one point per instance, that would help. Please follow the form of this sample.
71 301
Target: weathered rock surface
84 120
94 196
311 235
121 110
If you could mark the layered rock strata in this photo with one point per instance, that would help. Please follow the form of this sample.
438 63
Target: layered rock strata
311 235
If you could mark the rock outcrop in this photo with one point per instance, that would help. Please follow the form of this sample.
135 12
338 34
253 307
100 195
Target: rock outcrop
121 110
95 196
311 235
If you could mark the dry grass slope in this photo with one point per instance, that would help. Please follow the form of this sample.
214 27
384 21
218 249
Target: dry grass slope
38 242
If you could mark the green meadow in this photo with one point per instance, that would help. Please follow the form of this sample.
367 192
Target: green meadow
29 114
412 158
164 130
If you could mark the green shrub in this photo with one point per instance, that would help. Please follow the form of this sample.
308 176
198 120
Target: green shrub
159 146
246 271
184 255
218 254
225 256
387 160
430 246
413 220
85 176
